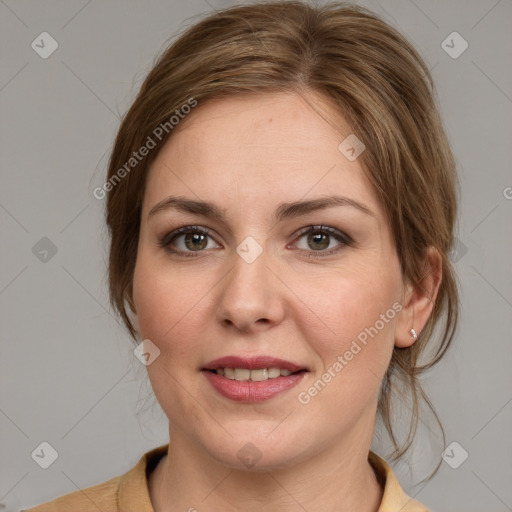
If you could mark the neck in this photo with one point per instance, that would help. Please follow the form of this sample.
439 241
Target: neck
339 478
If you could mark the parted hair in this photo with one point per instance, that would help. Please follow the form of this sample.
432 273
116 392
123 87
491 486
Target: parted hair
369 74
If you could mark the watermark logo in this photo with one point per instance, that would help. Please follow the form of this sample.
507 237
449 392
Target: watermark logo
454 455
459 251
351 147
44 45
44 250
454 45
146 352
249 249
44 455
249 455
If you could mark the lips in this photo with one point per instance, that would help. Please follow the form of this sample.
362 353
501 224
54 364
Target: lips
224 375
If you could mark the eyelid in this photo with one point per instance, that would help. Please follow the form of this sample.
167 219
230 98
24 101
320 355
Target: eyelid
321 227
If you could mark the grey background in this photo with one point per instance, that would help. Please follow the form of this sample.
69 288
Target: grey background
67 371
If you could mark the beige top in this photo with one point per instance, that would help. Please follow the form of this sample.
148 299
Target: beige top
130 491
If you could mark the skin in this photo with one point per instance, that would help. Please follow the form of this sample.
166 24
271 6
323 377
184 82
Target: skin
248 155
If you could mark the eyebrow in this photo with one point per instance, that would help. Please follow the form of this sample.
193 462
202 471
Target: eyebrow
284 210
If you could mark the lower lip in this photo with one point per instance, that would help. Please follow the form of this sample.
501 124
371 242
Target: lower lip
248 391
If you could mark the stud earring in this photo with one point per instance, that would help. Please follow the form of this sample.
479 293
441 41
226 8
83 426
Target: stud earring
413 334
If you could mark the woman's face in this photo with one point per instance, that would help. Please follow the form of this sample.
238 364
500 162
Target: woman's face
256 286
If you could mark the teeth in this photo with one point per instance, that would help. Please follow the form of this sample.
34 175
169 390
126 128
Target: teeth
243 374
258 375
273 373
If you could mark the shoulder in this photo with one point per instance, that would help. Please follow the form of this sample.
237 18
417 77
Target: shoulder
90 499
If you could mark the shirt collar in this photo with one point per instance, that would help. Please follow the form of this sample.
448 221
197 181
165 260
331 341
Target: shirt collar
133 493
394 499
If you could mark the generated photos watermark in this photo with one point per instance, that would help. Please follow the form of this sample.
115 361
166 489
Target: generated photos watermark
343 360
137 156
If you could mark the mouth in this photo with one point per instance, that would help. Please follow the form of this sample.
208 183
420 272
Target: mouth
252 379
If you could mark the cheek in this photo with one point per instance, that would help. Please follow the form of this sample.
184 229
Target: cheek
349 322
166 299
168 312
347 301
174 312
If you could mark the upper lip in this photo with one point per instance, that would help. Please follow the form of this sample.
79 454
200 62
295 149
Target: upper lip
252 363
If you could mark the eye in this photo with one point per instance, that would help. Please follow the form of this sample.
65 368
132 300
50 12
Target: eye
319 238
187 240
193 239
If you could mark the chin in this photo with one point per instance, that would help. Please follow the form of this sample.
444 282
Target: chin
258 453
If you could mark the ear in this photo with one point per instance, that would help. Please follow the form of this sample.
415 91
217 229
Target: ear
418 302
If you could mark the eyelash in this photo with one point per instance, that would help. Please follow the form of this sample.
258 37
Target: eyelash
166 241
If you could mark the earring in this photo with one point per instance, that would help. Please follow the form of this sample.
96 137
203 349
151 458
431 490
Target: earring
413 334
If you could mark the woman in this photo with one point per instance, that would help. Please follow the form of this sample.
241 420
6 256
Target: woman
281 199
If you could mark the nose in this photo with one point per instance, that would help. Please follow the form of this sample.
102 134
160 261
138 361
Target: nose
251 295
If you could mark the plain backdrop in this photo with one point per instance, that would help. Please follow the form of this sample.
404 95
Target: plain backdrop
68 374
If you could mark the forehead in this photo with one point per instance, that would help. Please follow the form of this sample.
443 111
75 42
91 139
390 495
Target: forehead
256 151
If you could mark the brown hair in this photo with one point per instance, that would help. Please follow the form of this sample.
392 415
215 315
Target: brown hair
371 76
